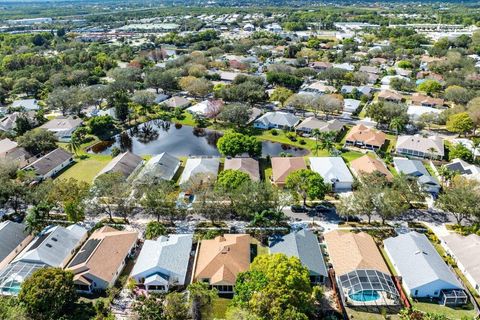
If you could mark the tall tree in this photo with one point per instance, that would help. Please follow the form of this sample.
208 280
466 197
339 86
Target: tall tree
306 184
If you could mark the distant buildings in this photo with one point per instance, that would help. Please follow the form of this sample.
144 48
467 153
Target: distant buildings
276 120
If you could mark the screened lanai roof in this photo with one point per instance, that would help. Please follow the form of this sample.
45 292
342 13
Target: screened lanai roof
12 276
366 280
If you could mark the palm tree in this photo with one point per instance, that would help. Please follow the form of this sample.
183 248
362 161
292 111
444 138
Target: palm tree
446 174
397 125
327 140
73 145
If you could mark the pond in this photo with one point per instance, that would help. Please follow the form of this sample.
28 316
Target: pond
157 136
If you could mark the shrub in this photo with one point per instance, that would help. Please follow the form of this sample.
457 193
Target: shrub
274 132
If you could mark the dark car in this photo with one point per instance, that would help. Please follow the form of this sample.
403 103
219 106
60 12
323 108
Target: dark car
324 209
299 209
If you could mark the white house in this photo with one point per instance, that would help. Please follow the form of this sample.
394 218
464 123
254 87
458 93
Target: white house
424 273
51 163
277 120
334 171
163 263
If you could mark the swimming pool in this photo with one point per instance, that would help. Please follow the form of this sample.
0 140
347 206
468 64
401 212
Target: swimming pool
365 296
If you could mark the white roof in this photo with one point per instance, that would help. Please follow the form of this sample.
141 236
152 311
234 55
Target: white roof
351 105
162 166
467 251
53 245
195 166
419 143
332 169
164 258
416 111
418 262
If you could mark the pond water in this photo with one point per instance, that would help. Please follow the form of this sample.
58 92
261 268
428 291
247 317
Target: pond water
156 136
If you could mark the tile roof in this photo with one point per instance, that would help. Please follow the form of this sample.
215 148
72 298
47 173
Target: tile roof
247 165
222 258
350 251
283 166
107 256
368 164
366 135
422 144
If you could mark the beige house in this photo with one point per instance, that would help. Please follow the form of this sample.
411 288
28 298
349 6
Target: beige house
283 166
362 275
220 260
102 258
365 137
366 165
247 165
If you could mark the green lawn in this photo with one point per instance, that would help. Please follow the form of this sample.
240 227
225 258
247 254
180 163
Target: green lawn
281 137
451 313
86 167
362 315
217 310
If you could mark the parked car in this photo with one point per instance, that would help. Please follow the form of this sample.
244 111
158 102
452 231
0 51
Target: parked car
351 219
299 209
324 209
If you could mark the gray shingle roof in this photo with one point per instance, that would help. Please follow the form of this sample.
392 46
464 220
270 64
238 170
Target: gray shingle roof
11 235
278 118
162 166
410 167
304 245
50 161
124 163
418 262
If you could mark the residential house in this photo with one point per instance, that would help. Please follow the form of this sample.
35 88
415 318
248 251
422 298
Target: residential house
415 112
369 69
208 108
350 105
362 276
321 65
9 122
387 79
419 99
465 169
200 166
361 90
177 102
228 76
163 166
220 260
334 171
390 96
368 165
365 137
276 120
344 66
283 166
160 97
163 263
465 250
13 239
53 247
102 258
302 244
247 165
63 127
415 168
26 104
421 147
127 164
7 146
51 164
307 126
423 271
319 87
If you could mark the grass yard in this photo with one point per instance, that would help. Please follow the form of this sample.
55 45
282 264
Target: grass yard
86 167
451 313
281 137
217 310
362 315
351 155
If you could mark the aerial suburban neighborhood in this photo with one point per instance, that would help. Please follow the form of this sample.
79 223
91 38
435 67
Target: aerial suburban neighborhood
239 160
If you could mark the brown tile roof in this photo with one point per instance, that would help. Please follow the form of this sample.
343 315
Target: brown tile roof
283 166
389 95
222 258
368 164
106 258
247 165
366 135
350 251
421 99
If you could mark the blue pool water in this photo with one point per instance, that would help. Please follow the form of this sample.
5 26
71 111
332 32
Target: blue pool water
365 296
